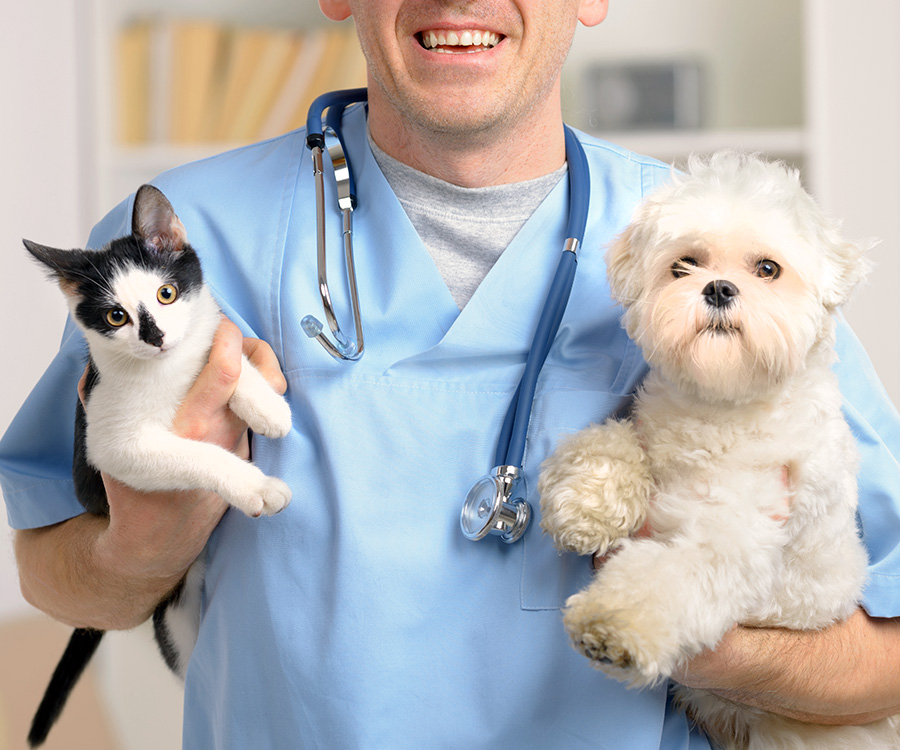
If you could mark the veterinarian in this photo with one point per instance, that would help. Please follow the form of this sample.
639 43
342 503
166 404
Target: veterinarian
360 616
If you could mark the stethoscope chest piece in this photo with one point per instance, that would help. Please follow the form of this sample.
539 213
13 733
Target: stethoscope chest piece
496 505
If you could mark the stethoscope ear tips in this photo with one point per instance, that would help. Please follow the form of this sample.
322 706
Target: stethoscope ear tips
311 326
496 505
342 348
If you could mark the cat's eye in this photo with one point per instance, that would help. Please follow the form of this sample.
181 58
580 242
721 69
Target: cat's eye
116 317
166 294
682 266
768 269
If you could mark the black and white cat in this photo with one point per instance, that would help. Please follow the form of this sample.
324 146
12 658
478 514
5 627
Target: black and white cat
149 321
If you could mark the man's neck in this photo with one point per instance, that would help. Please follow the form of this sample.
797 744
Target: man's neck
509 153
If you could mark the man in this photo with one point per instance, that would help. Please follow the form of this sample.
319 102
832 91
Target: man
360 616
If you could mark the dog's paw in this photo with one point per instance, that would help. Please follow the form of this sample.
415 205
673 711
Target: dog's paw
595 488
624 643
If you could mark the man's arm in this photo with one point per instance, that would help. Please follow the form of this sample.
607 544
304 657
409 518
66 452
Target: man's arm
110 573
848 673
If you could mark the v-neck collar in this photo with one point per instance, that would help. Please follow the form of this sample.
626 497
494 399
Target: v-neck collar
410 317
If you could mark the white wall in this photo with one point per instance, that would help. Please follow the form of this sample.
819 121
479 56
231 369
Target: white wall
854 106
39 199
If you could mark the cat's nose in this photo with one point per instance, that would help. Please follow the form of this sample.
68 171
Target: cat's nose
148 331
156 341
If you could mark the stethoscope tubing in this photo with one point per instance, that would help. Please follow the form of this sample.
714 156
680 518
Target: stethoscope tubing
513 433
508 512
333 101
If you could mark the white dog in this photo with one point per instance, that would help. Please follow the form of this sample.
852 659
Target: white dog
736 455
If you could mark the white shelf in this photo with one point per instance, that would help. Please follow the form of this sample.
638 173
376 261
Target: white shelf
677 145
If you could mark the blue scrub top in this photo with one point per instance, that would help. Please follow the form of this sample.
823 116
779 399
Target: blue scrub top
360 617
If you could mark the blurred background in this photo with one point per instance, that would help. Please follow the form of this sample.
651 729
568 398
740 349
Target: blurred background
101 95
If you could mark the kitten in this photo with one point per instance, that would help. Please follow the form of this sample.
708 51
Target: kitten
149 321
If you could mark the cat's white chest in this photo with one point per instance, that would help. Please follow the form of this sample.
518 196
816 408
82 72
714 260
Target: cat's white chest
149 397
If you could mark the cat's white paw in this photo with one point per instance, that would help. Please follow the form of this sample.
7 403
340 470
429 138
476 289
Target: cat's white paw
264 411
274 420
264 496
274 497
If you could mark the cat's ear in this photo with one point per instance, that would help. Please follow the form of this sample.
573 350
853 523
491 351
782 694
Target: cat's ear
65 266
155 222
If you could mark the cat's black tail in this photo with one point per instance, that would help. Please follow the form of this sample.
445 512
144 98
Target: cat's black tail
75 658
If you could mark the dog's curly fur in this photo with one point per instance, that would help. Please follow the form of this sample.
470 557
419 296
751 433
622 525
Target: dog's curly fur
736 458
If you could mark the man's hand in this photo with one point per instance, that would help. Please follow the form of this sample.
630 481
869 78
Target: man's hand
848 673
110 573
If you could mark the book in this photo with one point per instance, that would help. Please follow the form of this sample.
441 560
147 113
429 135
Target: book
280 117
159 97
245 51
198 55
338 55
267 79
132 81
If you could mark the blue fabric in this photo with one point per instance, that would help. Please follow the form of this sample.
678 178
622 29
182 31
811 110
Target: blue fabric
360 617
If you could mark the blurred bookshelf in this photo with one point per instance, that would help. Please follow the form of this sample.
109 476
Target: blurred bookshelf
172 81
187 81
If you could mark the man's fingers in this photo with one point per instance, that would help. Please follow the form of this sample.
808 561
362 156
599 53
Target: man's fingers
598 560
207 400
224 366
263 359
82 384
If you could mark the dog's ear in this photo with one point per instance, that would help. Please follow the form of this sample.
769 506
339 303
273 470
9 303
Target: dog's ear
843 263
622 269
625 272
845 269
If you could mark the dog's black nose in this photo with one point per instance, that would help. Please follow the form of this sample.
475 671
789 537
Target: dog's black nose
720 293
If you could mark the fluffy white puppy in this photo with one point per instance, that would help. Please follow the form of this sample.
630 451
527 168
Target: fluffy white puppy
736 458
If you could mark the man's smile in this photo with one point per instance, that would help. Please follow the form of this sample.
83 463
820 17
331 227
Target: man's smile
450 41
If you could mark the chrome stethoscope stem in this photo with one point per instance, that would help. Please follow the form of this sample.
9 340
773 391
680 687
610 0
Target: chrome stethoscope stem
351 277
345 349
321 244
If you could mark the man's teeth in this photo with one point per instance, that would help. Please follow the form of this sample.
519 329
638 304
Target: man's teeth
471 39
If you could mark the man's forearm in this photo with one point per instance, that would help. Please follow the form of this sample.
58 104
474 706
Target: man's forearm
63 572
846 674
94 572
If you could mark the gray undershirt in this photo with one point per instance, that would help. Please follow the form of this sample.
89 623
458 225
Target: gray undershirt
464 229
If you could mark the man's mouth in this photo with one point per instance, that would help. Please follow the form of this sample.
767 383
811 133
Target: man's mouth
459 42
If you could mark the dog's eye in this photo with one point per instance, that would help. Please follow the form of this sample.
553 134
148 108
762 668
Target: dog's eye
681 267
768 269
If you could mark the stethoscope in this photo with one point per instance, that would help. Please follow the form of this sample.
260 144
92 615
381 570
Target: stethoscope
496 504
